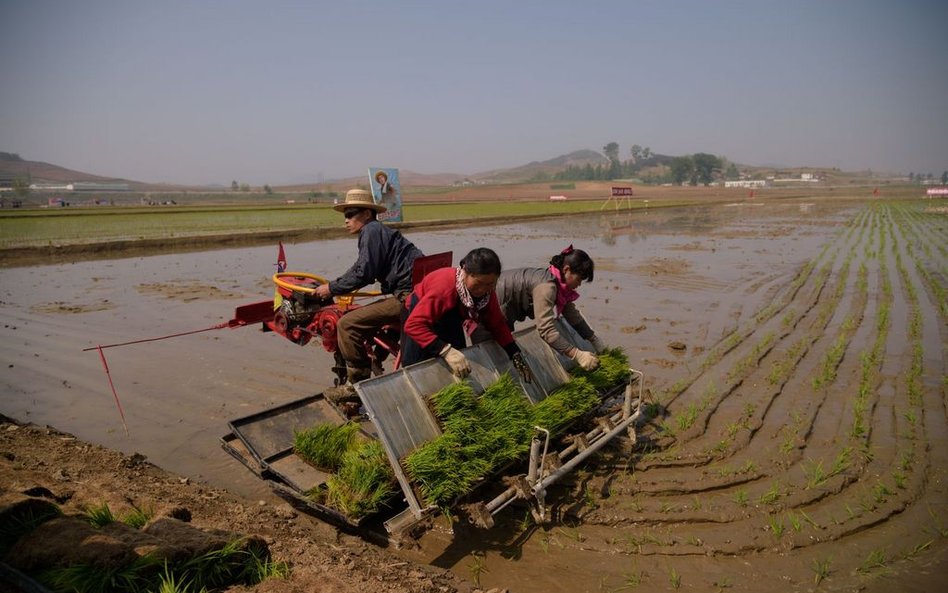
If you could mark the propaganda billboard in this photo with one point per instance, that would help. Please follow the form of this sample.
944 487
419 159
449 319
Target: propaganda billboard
386 191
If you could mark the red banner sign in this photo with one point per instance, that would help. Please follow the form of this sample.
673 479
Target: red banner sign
622 191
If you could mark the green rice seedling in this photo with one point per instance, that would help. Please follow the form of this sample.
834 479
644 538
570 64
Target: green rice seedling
99 516
237 562
481 434
918 549
364 481
454 399
566 404
262 568
438 469
687 418
139 576
674 578
740 497
477 567
795 522
841 463
821 569
138 517
171 583
880 492
875 561
776 526
508 417
631 579
771 496
814 474
613 369
325 444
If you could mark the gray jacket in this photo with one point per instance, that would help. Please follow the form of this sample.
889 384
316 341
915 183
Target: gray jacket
531 293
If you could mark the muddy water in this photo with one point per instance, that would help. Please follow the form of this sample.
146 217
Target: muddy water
729 494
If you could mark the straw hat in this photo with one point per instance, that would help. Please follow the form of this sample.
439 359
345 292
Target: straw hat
359 198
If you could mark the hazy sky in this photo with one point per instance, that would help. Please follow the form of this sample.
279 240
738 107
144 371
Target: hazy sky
210 91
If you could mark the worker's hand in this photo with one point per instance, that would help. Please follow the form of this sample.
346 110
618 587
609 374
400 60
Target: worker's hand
587 360
598 344
520 363
456 360
322 291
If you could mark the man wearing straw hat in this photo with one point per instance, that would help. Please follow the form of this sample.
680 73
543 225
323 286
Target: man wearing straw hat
386 257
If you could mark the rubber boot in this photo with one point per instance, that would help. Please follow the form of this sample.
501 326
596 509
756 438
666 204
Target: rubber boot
346 392
357 374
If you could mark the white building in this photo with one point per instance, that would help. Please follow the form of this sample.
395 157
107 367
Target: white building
746 183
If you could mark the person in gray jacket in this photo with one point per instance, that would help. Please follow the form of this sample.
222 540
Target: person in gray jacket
543 294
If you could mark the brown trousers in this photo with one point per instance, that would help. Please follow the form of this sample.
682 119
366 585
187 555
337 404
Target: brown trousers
359 325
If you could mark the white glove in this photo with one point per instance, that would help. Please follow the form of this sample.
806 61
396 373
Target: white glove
587 360
456 360
597 344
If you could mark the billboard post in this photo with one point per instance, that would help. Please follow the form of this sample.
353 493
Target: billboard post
619 194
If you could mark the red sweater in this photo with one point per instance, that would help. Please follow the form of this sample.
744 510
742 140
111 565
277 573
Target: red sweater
437 295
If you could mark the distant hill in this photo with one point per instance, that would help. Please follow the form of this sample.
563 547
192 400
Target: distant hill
13 166
578 158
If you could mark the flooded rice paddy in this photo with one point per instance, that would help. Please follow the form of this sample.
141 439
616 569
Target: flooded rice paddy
794 353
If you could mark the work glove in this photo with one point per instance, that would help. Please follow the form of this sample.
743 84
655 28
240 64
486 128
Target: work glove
522 367
456 361
587 360
597 344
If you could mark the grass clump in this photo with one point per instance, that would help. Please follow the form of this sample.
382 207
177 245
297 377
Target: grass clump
325 444
361 481
613 369
364 481
482 434
566 404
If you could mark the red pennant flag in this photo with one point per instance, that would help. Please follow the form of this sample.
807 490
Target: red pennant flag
281 259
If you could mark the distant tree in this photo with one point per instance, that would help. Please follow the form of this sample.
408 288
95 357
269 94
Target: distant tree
267 189
911 177
682 168
234 186
244 187
705 165
944 177
732 172
636 153
646 153
611 151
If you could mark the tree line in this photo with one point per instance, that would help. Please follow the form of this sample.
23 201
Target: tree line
694 169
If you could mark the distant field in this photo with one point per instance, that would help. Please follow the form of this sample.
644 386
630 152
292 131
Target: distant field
25 228
258 214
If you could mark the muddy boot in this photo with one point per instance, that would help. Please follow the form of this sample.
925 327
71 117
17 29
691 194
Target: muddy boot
345 393
357 374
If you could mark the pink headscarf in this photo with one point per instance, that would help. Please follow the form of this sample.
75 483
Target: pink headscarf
564 294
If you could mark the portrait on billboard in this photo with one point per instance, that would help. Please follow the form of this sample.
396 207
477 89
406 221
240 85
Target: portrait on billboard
386 191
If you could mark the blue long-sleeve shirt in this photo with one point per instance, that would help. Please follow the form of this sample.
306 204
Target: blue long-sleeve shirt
385 256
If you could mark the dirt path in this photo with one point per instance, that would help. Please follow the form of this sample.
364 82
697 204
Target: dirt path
796 350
